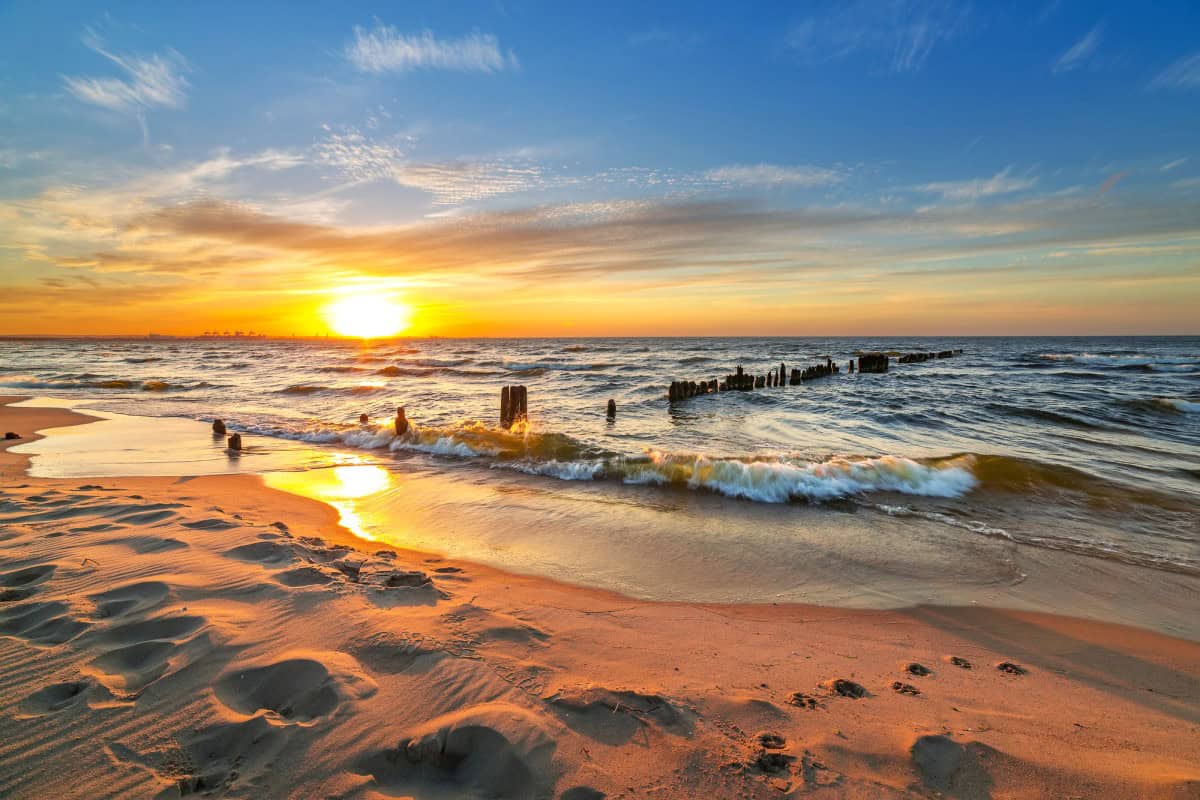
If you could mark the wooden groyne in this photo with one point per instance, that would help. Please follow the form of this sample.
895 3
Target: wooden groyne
742 381
916 358
873 362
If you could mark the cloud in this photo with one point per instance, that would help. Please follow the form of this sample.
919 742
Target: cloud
385 49
1170 165
1182 74
1002 182
905 32
772 175
156 81
362 158
1079 53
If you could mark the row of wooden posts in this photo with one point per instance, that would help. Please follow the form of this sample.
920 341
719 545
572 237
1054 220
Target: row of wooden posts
743 381
514 400
914 358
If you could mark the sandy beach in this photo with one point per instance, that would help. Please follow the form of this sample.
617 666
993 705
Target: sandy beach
165 637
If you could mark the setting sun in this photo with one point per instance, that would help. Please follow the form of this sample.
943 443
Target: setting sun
367 316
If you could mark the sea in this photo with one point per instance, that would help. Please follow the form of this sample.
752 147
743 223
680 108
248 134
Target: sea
1086 447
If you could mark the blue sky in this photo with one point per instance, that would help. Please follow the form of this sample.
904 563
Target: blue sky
606 160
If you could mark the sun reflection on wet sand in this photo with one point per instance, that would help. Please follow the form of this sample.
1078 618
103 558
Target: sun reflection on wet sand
339 487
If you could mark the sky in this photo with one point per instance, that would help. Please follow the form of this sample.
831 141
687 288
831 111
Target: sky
901 167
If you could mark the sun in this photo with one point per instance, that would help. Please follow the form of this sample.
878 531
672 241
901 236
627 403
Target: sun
367 316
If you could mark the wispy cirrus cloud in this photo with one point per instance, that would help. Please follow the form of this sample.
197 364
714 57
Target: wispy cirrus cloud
362 158
905 32
1078 54
1181 74
1003 182
773 175
155 81
385 49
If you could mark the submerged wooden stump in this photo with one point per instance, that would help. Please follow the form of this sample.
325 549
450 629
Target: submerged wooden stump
234 442
218 427
401 421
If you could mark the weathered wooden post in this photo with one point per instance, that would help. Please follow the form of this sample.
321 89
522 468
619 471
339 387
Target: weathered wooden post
611 411
218 427
401 421
851 365
513 406
363 419
234 442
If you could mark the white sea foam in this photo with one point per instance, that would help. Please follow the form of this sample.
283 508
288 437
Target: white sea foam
773 481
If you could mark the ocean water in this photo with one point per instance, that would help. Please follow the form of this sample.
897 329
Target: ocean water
1089 446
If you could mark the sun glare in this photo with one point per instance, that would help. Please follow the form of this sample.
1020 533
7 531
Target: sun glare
367 316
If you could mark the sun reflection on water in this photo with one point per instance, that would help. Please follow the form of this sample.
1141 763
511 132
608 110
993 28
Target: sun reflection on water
339 487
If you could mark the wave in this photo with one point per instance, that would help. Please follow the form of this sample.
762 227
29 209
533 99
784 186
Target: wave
146 360
1177 405
341 369
1046 415
543 366
307 389
1127 360
109 383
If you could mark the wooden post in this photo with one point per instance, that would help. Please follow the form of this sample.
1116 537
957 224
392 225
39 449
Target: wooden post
505 407
363 418
520 404
612 408
218 427
234 442
401 421
851 363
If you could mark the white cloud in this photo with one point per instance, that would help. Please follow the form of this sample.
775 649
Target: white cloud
384 49
772 175
1078 54
1170 165
1001 183
905 31
450 182
1183 74
153 82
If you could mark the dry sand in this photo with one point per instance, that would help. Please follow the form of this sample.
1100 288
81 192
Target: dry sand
211 636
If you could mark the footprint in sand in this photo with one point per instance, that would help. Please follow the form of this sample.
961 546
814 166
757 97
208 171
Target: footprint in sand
905 688
493 750
299 690
305 576
802 700
129 599
143 651
614 717
228 757
920 670
29 576
949 767
54 698
41 623
1011 668
266 553
846 688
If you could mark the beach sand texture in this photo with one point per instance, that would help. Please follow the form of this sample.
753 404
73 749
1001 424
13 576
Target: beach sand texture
166 637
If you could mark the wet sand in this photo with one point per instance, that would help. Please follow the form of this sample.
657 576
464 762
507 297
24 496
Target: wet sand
172 636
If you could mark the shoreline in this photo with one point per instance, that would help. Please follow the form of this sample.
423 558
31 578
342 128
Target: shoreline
538 687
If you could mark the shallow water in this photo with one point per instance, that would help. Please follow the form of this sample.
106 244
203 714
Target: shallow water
1088 446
